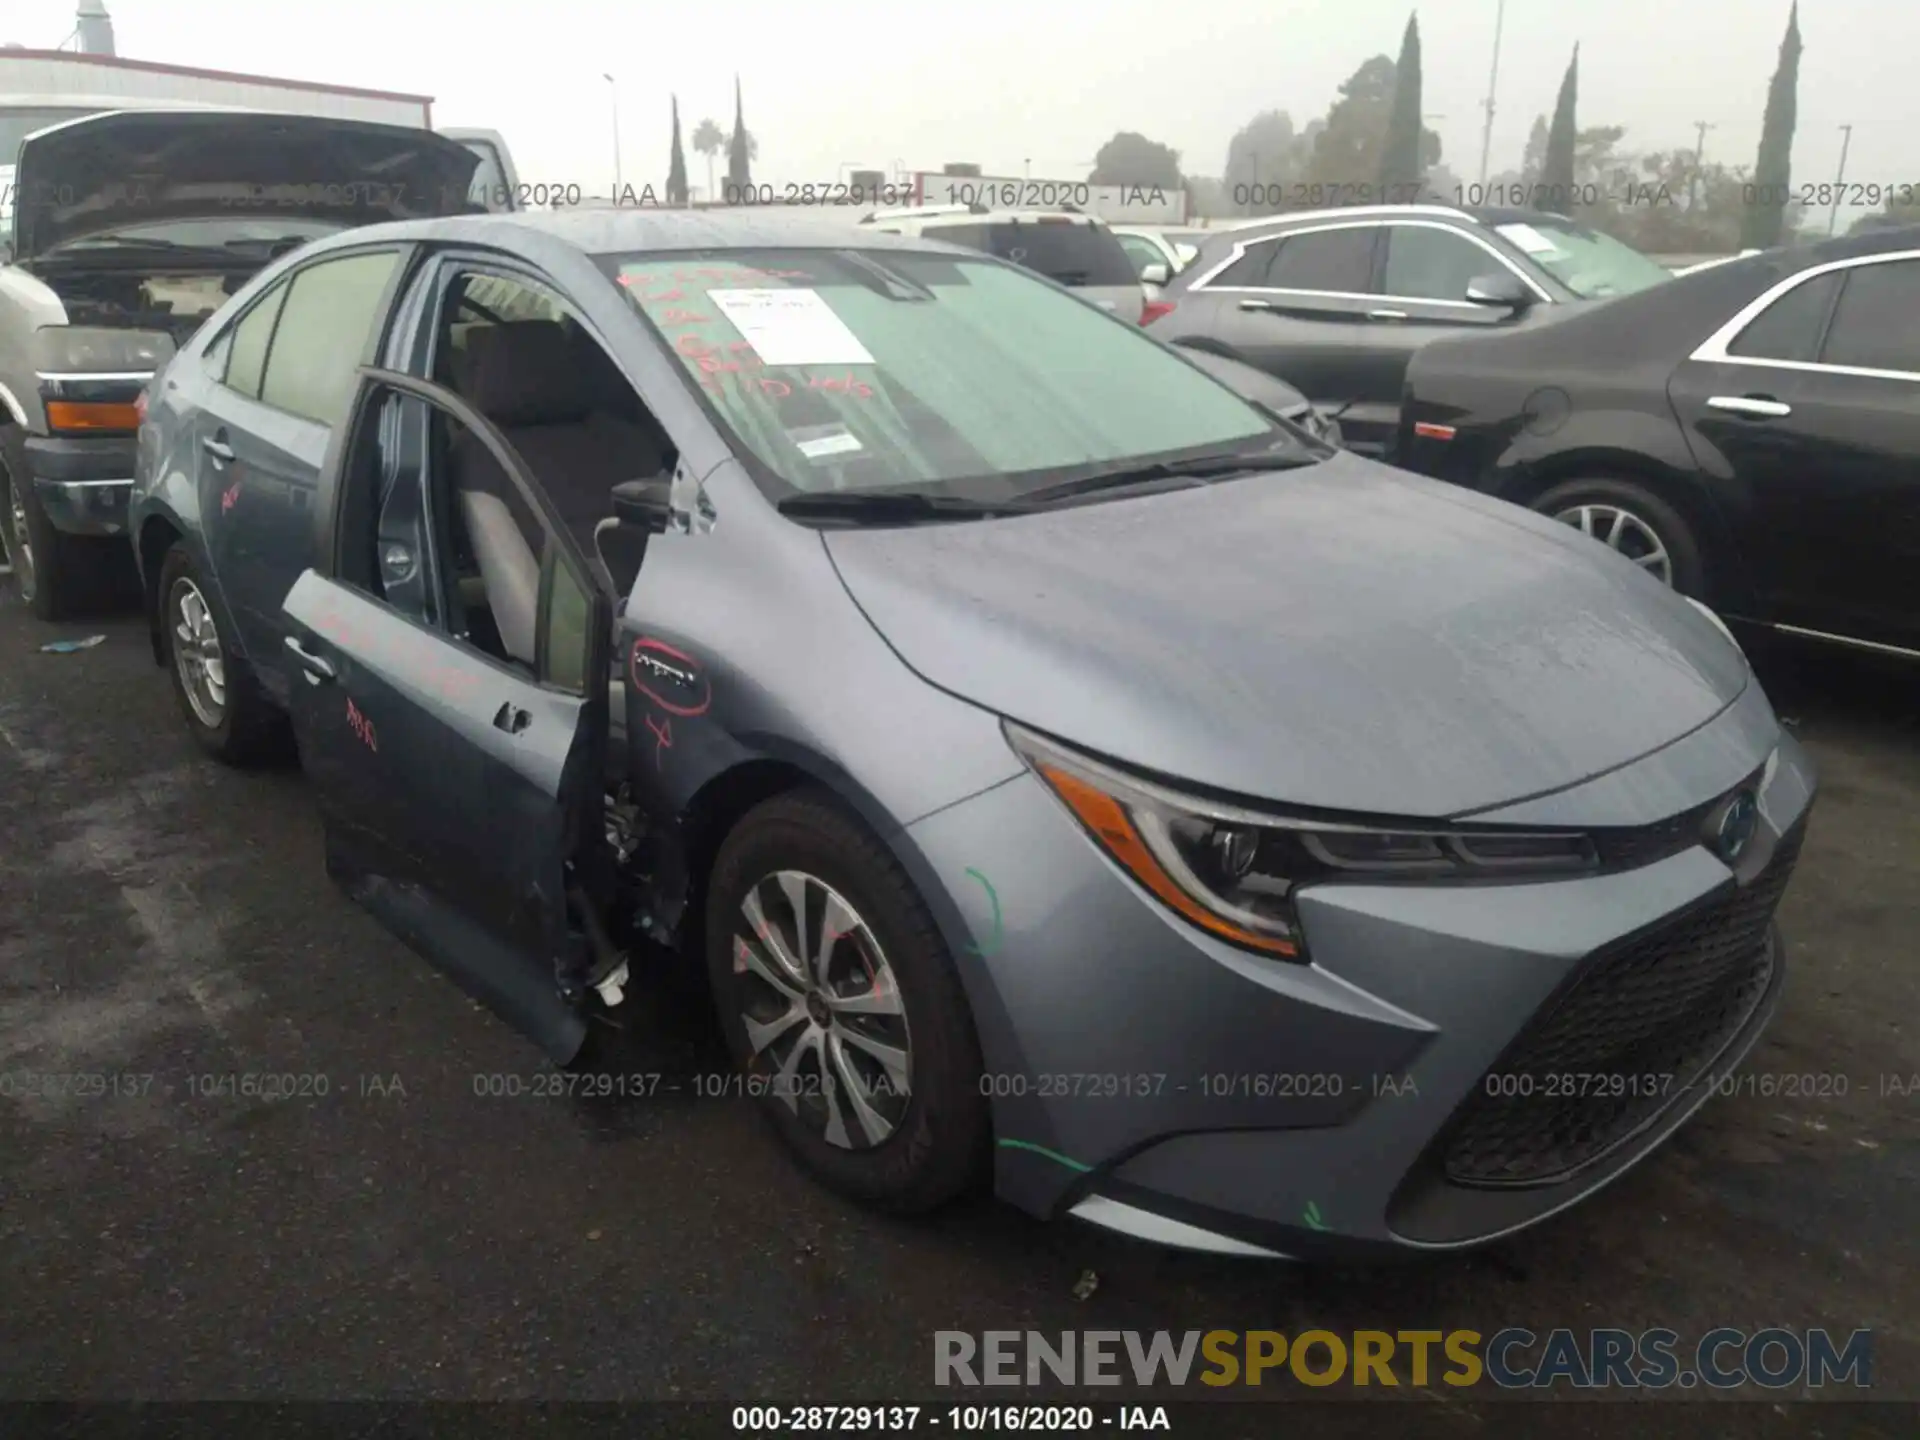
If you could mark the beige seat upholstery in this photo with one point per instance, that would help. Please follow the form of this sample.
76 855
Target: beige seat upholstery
552 398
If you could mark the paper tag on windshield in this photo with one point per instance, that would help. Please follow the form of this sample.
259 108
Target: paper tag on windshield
817 442
1529 239
791 327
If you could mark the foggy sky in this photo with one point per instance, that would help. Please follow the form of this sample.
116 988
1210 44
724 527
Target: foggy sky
1006 85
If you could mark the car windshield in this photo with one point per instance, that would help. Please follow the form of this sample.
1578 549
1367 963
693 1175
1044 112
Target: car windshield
1067 252
1591 264
898 370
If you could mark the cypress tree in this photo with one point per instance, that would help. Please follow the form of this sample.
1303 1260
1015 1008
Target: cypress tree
738 175
677 166
1400 168
1762 223
1556 171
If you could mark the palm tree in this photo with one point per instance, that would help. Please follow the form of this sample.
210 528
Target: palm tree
709 140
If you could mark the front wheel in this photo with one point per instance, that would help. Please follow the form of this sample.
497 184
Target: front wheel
842 1008
1629 518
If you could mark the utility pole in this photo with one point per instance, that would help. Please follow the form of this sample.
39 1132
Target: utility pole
613 86
1699 154
1493 82
1840 180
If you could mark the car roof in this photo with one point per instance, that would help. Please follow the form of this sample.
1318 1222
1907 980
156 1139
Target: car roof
621 230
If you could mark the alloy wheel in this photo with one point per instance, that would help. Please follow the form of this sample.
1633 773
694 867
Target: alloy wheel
822 1010
197 654
1624 531
19 544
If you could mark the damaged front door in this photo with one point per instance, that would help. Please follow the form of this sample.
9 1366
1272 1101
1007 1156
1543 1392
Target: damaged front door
459 772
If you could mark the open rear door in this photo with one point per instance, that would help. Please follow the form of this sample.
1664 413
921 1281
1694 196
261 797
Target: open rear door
458 785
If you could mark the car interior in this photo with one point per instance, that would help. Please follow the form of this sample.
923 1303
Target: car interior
454 535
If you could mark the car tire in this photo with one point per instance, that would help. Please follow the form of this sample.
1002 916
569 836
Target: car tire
231 719
940 1135
1641 519
57 575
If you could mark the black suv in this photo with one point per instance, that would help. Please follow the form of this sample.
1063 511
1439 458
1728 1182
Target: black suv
1336 302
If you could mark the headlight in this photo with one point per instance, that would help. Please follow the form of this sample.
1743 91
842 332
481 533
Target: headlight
1234 872
92 349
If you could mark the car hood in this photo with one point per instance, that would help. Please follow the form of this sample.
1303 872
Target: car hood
1346 637
140 167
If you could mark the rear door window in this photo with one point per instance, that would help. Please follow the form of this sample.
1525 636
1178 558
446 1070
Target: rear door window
1874 324
325 334
247 354
1791 327
1339 261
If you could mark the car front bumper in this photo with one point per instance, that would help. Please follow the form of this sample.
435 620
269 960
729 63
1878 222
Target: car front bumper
1153 1080
83 483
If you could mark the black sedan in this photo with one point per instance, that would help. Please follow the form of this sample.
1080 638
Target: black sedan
1749 434
1336 302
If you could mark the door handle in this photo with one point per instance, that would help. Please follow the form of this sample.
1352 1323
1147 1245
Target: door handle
317 669
511 718
1759 406
1258 305
217 448
1386 314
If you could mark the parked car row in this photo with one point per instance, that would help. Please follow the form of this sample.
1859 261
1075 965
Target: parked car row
1749 433
1336 302
1159 738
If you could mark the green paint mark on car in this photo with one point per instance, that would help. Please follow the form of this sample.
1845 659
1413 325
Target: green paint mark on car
1042 1150
993 944
1312 1217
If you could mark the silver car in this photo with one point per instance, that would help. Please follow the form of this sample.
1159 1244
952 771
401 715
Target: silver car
1062 769
1070 248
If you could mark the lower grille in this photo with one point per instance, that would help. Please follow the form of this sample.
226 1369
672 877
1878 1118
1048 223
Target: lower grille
1630 1035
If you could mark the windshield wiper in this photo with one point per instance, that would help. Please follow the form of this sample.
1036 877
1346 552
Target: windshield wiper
906 505
1205 467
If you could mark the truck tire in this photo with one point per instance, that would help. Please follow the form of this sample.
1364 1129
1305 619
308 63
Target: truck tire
58 575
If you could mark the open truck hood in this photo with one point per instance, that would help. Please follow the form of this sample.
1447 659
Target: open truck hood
1345 637
142 167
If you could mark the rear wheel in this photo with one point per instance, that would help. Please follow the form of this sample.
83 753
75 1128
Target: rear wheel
229 716
1629 518
842 1008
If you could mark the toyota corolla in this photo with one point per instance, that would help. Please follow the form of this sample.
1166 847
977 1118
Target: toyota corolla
1065 770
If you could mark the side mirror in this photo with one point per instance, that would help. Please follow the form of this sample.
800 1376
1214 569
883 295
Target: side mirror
643 504
1501 290
1155 274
